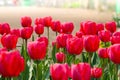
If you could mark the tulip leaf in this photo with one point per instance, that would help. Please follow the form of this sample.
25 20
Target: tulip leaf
53 53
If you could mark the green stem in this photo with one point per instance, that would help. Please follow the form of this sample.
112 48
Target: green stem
37 66
89 58
116 72
32 37
74 57
39 35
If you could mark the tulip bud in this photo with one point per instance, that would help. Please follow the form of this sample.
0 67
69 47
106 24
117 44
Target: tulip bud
111 26
96 72
102 52
116 34
15 32
26 21
39 29
60 57
100 27
39 21
115 39
56 26
4 28
47 21
79 34
45 39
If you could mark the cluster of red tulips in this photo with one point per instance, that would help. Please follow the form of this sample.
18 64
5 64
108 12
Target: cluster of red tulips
93 53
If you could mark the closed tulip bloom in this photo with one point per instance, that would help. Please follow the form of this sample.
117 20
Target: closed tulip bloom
88 28
56 26
115 39
26 32
117 33
26 21
15 32
81 71
104 35
74 45
9 41
4 28
39 21
114 53
60 57
47 21
102 52
61 39
3 49
96 72
67 27
111 26
39 29
79 34
91 43
11 63
37 50
100 27
59 71
43 38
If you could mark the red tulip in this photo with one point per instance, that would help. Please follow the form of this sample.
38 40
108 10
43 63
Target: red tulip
74 45
39 29
26 32
4 28
114 53
116 34
81 71
56 26
11 63
102 52
2 49
60 57
79 34
59 71
61 39
100 27
15 32
91 43
39 21
26 21
115 39
88 28
37 50
9 41
45 39
111 26
96 72
104 35
67 27
47 21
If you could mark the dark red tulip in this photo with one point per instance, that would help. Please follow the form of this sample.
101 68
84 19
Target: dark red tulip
91 43
88 28
11 63
37 50
43 38
59 71
56 26
26 21
100 27
26 32
9 41
60 56
39 29
96 72
74 45
61 39
102 52
67 27
79 34
47 21
104 35
81 71
4 28
116 33
114 53
15 32
111 26
39 21
115 39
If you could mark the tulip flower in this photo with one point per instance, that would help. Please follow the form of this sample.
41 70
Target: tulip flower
4 28
43 38
91 43
39 21
114 53
39 29
56 26
79 34
88 28
111 26
115 39
3 49
9 41
15 32
47 21
96 72
59 71
102 53
104 35
60 57
26 32
81 71
37 50
100 27
67 27
116 33
26 21
11 63
61 39
74 45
